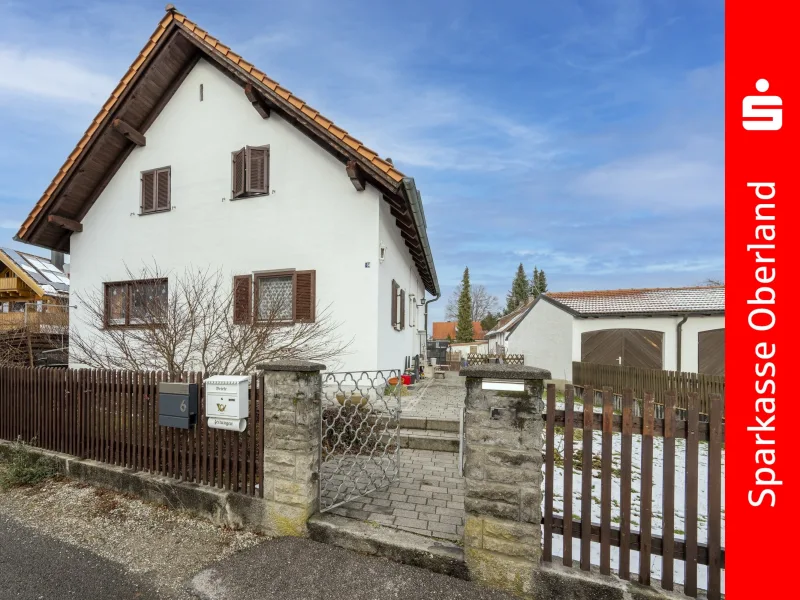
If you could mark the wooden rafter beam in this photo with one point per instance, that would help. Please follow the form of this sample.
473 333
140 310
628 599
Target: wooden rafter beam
129 132
257 100
65 223
356 175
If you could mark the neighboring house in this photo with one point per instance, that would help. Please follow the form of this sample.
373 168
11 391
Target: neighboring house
446 330
30 284
198 159
676 329
475 347
498 335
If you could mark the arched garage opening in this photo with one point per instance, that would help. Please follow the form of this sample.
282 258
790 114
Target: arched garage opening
627 347
711 352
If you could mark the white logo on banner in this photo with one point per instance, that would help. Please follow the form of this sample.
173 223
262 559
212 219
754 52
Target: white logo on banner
757 118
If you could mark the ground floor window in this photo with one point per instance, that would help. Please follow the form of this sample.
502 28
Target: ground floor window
135 303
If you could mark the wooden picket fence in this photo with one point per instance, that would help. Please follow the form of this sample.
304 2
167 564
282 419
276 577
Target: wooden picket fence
656 380
112 417
665 545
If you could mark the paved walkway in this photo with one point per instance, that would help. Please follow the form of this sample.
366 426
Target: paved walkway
440 399
426 498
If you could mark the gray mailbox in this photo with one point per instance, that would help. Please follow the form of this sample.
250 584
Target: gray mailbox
177 404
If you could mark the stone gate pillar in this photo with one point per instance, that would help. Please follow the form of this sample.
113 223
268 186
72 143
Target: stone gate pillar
503 472
292 400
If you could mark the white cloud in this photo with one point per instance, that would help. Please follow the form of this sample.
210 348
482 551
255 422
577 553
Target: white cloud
49 76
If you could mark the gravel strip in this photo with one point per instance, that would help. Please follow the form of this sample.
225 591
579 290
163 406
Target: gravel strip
166 546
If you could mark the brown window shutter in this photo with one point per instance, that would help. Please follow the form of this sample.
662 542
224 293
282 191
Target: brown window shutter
395 287
257 179
305 296
237 173
163 189
242 299
402 309
148 192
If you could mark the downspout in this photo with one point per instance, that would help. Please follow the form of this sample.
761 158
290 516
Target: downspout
679 330
414 198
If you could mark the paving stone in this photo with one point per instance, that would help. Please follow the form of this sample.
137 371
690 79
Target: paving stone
407 522
441 527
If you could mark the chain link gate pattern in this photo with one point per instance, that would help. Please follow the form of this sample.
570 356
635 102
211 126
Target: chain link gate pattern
359 448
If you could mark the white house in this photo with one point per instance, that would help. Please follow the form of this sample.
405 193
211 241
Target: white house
199 159
676 329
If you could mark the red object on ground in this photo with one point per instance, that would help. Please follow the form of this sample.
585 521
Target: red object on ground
406 379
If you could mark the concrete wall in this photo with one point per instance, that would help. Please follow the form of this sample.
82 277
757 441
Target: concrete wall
393 345
544 336
481 346
666 325
313 217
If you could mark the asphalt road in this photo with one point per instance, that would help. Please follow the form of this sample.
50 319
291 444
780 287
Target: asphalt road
38 567
297 569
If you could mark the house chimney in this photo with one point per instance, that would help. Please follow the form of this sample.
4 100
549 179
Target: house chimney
57 258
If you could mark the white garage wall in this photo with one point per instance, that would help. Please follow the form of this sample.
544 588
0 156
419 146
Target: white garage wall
544 336
690 336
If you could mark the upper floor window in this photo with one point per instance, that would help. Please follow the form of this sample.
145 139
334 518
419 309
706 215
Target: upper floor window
250 172
136 303
156 195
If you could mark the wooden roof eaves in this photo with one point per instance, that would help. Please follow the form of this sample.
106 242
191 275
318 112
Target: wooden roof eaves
158 40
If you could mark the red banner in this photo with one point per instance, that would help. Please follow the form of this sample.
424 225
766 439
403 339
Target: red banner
762 492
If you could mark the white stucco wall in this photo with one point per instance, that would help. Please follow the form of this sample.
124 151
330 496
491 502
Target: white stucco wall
312 219
544 336
393 345
666 325
481 347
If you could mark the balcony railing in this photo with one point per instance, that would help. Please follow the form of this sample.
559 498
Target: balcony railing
12 284
52 320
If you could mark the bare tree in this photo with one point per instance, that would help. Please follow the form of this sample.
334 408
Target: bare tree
711 282
483 303
189 325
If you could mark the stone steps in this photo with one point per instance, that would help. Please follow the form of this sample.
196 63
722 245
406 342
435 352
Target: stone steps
427 439
426 423
405 547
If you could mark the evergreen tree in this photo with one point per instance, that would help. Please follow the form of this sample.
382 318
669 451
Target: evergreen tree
542 286
489 322
538 282
520 290
535 283
464 332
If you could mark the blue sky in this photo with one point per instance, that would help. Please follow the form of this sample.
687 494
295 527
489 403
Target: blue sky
584 137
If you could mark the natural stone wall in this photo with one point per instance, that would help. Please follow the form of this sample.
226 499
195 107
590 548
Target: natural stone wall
503 472
293 395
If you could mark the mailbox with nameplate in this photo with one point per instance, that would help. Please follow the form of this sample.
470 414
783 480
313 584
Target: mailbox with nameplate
228 401
177 404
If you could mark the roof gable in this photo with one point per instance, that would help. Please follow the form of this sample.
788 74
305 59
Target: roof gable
444 329
155 74
38 272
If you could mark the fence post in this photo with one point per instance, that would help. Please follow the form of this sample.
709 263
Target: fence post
503 472
292 401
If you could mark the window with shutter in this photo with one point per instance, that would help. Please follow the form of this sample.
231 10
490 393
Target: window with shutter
250 172
305 296
237 173
156 193
395 289
402 309
242 299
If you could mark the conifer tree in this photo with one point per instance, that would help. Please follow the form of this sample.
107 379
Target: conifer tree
542 285
538 282
520 290
464 332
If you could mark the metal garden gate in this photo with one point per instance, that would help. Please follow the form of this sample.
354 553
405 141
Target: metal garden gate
359 447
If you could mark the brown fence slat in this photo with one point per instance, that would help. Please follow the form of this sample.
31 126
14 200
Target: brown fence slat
549 467
715 498
625 485
646 495
586 480
569 419
690 579
605 483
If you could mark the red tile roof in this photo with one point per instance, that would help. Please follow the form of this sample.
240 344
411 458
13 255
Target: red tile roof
442 329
